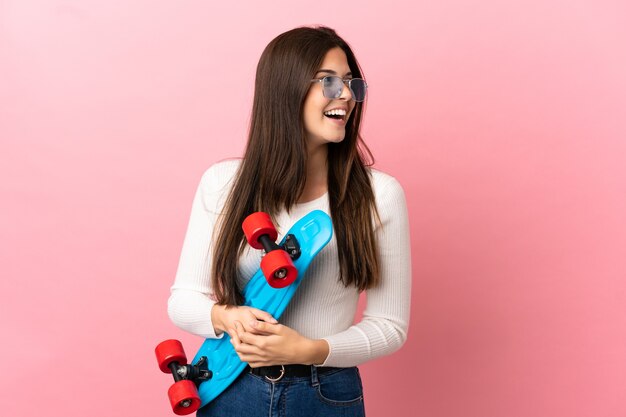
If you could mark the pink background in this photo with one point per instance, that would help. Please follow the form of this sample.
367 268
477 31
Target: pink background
504 121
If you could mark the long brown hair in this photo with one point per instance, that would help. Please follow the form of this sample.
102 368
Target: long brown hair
272 174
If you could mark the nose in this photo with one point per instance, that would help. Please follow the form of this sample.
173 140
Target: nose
345 92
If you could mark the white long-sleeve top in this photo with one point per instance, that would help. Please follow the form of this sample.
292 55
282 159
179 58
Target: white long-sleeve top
322 307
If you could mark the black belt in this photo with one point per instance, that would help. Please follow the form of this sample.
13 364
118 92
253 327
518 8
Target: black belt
277 372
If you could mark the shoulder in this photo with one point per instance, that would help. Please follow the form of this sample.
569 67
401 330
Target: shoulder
385 186
216 182
219 175
389 197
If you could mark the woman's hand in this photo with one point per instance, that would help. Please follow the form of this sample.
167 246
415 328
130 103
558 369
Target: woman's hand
275 344
224 317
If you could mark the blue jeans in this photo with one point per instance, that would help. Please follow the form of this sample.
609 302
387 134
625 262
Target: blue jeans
336 393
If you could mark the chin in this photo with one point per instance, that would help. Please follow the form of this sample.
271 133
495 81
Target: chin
324 139
335 136
333 139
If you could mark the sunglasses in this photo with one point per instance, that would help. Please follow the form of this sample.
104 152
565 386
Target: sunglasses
333 87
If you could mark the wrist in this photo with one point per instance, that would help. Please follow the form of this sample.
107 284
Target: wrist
316 351
216 319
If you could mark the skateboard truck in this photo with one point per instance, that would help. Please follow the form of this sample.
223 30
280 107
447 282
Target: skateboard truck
277 264
291 245
183 394
197 373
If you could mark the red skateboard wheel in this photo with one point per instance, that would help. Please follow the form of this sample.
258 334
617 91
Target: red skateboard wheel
170 351
278 269
184 397
256 225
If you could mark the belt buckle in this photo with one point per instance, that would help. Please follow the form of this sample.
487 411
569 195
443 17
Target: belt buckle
282 374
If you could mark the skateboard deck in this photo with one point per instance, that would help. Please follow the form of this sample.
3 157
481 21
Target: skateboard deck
313 232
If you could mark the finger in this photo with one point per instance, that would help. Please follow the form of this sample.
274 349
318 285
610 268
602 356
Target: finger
241 328
246 349
234 337
253 339
249 359
244 333
264 316
257 364
265 328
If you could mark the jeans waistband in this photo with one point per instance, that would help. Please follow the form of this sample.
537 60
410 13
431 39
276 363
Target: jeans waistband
277 372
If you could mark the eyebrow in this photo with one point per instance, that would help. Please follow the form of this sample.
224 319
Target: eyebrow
333 72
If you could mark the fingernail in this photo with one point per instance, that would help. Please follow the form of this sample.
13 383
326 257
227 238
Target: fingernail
273 320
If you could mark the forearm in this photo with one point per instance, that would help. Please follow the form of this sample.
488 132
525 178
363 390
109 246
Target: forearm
192 311
370 339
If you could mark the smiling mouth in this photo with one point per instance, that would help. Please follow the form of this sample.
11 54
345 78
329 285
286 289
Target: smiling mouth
338 116
336 120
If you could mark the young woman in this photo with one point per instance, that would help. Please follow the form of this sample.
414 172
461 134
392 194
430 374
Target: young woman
304 152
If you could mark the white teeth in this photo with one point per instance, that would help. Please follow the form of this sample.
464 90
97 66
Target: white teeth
336 112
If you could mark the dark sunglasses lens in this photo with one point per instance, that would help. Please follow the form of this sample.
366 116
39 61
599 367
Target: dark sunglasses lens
358 89
333 86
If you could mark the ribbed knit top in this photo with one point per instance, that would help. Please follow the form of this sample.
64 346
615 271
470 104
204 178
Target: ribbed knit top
322 307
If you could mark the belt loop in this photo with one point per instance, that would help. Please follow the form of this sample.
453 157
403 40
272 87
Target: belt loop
314 381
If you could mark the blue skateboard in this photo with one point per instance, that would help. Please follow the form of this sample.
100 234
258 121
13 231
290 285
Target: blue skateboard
217 365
